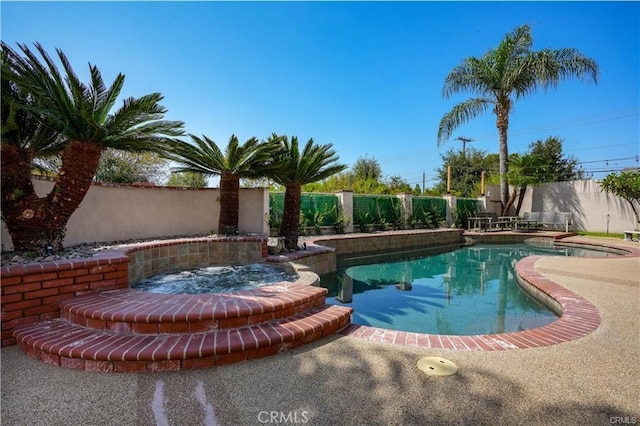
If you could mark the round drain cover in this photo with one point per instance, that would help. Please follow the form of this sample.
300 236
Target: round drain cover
436 366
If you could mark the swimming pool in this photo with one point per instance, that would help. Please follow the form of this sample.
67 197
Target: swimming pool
466 290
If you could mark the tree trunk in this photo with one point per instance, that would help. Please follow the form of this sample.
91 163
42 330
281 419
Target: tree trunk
19 200
291 215
523 191
519 192
512 199
33 222
502 122
229 203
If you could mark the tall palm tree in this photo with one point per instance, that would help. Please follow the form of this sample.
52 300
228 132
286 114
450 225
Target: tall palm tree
504 75
79 115
314 163
251 160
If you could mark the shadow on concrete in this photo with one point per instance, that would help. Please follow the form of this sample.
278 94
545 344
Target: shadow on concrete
344 382
340 381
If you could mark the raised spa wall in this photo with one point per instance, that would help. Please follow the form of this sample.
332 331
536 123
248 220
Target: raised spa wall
166 256
31 292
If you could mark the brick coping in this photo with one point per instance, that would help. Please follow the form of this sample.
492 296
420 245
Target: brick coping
114 256
579 317
134 306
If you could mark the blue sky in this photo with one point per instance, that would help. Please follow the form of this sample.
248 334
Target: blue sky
364 76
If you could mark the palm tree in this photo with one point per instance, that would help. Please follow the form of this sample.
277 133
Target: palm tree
26 138
77 120
504 75
251 160
316 162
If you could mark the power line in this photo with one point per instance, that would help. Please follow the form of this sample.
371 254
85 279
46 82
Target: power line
605 146
636 158
572 122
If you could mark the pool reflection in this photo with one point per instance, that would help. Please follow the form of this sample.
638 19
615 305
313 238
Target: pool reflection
463 290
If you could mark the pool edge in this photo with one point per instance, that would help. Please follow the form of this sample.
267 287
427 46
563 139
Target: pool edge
579 318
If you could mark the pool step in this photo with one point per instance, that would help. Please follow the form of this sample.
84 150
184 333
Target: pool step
62 343
137 312
128 330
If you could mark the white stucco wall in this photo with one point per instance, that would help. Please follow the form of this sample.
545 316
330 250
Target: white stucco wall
585 199
111 213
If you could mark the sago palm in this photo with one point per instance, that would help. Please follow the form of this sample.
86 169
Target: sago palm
314 163
80 115
502 76
251 160
26 139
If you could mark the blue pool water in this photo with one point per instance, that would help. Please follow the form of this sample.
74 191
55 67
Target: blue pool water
215 279
464 291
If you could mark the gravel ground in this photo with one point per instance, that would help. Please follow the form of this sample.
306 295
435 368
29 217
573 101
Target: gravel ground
73 252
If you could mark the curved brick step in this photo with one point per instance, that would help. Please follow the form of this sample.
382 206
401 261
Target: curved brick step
65 344
131 311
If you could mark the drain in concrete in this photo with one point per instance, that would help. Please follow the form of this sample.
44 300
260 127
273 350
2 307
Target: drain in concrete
436 366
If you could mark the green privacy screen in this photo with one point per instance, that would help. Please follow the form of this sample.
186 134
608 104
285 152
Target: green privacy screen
315 209
433 205
465 208
375 208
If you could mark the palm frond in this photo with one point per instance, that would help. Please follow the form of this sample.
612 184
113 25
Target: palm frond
314 163
81 111
461 113
202 155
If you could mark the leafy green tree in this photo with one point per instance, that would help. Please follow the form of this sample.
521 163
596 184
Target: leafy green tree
367 168
364 177
314 163
554 164
128 167
80 123
252 160
625 185
369 186
545 162
397 185
466 171
503 75
337 182
187 180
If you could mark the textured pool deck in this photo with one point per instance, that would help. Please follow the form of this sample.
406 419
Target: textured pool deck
588 380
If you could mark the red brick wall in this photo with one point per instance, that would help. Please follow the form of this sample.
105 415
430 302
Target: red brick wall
30 293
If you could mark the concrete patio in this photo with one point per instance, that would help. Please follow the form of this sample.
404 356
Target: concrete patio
344 380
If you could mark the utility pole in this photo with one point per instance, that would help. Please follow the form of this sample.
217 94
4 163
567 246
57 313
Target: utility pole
464 141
